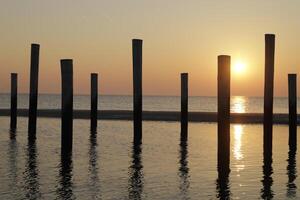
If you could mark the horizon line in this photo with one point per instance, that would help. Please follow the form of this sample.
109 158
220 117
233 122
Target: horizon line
147 95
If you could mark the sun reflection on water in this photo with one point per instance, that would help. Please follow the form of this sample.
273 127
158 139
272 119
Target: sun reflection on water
238 131
238 104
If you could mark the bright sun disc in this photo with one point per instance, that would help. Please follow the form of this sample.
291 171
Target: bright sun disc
239 67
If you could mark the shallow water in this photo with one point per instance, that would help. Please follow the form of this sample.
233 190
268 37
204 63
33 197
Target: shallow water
107 166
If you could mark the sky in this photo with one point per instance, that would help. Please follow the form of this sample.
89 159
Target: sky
178 36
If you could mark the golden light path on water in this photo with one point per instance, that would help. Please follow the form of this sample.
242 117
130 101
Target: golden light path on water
237 148
238 106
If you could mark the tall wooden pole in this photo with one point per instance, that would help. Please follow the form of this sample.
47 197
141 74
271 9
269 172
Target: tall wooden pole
13 101
33 96
268 92
137 89
292 84
223 112
67 106
94 101
184 106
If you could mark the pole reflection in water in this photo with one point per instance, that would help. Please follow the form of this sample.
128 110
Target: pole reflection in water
223 185
136 177
65 188
267 180
12 134
184 169
31 174
292 174
93 165
13 167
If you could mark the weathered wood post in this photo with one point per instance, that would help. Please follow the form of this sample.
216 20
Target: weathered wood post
13 100
33 96
292 83
67 106
223 113
94 101
137 89
268 92
184 106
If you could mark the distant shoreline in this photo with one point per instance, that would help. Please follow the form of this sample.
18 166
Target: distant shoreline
244 118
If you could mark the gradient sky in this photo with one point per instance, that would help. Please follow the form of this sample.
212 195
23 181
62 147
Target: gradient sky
179 36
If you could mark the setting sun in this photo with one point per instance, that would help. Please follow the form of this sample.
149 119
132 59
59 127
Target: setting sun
239 67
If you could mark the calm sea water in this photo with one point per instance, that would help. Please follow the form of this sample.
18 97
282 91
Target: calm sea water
107 167
239 104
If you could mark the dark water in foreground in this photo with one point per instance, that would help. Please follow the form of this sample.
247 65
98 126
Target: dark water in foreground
108 167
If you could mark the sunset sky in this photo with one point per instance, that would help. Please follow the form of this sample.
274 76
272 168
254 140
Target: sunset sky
179 36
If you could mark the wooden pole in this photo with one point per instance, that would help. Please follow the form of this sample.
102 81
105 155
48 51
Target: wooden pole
34 72
223 126
137 89
13 101
184 106
94 101
292 83
223 112
268 92
67 106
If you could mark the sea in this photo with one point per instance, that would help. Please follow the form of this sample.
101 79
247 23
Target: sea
239 104
106 165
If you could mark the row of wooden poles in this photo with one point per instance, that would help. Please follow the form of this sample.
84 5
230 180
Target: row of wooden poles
223 100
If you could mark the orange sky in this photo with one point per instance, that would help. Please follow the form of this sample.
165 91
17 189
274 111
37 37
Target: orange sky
179 36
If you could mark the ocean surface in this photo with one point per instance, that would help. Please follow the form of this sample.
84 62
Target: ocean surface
104 165
239 104
107 167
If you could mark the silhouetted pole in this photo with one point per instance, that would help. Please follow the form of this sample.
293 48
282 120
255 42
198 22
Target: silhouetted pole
67 106
137 89
33 96
13 101
184 106
268 91
223 112
292 82
94 101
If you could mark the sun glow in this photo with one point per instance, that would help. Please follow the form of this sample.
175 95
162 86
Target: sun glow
239 67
